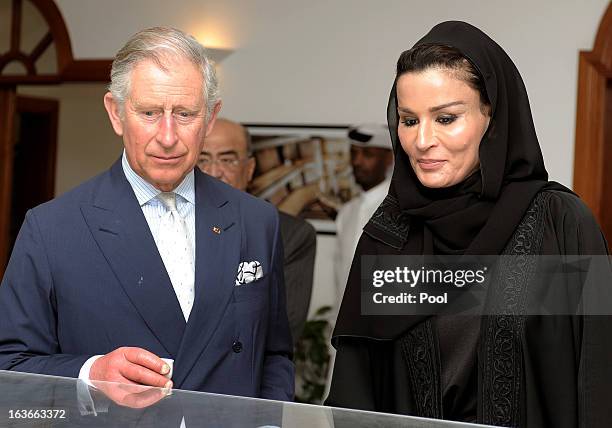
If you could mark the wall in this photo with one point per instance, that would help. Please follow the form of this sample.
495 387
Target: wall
86 142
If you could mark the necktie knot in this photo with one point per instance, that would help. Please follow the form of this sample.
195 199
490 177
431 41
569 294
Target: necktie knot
168 199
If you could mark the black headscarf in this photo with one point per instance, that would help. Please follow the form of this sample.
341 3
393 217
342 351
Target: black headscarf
477 216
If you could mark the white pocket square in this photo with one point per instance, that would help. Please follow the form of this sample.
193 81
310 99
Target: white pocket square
248 272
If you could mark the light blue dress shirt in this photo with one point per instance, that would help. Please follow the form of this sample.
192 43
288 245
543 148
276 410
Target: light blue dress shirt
153 209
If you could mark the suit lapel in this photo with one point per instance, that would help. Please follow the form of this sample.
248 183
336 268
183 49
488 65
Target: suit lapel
119 227
218 241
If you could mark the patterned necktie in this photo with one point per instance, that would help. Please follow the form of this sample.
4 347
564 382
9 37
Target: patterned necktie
176 252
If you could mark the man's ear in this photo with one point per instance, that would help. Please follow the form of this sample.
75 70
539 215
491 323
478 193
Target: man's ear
250 169
112 108
212 119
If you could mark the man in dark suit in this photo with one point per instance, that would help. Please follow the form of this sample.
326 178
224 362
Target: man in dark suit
153 259
227 155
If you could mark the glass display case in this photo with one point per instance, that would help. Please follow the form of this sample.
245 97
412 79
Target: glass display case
30 400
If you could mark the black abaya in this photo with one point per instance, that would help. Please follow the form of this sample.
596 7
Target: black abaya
527 371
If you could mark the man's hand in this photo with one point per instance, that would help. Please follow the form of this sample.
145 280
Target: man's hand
134 396
133 366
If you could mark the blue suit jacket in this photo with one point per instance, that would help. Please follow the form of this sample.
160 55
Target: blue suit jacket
85 278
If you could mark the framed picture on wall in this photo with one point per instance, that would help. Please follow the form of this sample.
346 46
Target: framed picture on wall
304 170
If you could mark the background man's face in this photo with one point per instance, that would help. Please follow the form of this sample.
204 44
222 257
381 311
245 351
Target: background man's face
224 155
370 165
164 121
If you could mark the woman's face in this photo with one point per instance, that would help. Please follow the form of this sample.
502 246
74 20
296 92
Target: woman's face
440 126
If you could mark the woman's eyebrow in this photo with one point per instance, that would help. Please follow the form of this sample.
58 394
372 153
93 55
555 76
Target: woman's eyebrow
442 106
432 109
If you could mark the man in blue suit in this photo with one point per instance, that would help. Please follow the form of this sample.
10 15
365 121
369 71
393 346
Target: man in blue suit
153 259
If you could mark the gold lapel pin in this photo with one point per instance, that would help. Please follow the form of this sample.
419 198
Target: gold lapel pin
217 230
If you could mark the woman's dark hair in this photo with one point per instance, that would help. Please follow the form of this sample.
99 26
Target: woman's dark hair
423 57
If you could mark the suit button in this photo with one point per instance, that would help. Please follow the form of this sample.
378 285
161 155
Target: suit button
237 347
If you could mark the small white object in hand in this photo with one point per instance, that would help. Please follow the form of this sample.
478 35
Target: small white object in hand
170 363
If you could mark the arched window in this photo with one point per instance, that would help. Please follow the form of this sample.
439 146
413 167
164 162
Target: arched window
37 31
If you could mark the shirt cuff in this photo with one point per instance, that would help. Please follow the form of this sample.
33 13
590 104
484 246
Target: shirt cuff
84 372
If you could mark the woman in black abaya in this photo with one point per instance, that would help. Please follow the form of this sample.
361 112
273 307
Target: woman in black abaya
469 179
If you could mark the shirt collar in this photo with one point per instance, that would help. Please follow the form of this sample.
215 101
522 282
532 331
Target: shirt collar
382 187
145 191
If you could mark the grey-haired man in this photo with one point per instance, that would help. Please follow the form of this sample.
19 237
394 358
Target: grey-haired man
153 259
